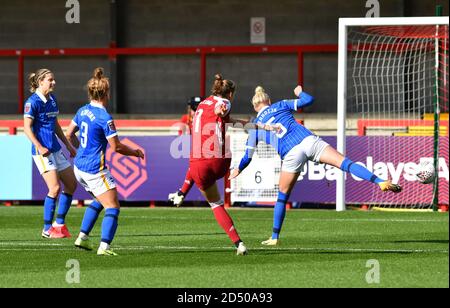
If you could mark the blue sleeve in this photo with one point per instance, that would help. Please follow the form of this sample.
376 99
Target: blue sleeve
252 143
30 109
109 128
304 100
76 119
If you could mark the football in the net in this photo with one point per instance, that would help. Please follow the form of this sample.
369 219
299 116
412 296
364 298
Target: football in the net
426 172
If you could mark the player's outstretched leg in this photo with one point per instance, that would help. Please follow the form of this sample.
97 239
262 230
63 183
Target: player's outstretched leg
332 157
178 197
389 186
361 172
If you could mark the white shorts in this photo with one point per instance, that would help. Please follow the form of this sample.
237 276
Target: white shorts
311 148
55 161
98 183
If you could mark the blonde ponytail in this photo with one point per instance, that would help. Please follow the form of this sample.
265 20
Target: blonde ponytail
98 85
260 97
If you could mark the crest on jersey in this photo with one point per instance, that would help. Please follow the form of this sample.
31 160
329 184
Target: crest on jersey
27 107
111 125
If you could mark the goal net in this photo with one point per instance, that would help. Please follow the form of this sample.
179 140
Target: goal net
393 78
259 181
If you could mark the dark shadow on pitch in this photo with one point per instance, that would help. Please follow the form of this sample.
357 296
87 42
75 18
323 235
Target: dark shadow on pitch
168 234
324 252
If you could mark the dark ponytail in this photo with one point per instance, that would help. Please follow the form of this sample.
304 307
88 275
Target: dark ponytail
223 87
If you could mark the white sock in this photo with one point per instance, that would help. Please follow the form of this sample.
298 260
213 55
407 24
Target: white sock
216 204
104 246
83 236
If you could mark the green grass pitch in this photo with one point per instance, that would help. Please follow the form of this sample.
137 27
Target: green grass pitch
185 248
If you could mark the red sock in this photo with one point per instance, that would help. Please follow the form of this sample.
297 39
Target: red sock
188 183
226 223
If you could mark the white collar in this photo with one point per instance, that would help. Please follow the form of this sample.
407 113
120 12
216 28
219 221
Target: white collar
41 96
97 105
262 110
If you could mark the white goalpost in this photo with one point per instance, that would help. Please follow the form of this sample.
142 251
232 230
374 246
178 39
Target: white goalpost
392 75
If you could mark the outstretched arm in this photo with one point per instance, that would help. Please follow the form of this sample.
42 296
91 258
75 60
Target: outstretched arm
305 99
252 142
123 149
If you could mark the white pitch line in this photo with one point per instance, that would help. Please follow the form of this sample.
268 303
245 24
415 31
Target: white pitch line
300 249
204 248
285 249
28 244
29 249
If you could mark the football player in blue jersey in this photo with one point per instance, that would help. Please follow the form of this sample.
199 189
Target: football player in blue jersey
97 130
41 127
295 145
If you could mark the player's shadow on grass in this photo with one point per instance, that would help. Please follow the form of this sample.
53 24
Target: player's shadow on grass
37 239
324 252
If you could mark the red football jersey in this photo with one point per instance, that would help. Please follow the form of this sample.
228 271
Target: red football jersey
208 130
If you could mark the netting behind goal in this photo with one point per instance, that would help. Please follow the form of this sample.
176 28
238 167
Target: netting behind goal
259 181
397 82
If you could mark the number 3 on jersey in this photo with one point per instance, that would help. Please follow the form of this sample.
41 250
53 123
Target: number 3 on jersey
84 134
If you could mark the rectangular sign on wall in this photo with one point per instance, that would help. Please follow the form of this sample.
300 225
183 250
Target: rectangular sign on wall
258 30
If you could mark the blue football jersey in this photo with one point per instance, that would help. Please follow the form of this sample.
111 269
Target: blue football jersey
44 114
280 114
96 126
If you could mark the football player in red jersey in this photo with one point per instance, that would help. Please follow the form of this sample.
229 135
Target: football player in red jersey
177 197
210 159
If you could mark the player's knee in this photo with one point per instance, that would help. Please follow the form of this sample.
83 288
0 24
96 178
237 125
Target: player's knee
285 189
54 190
111 205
